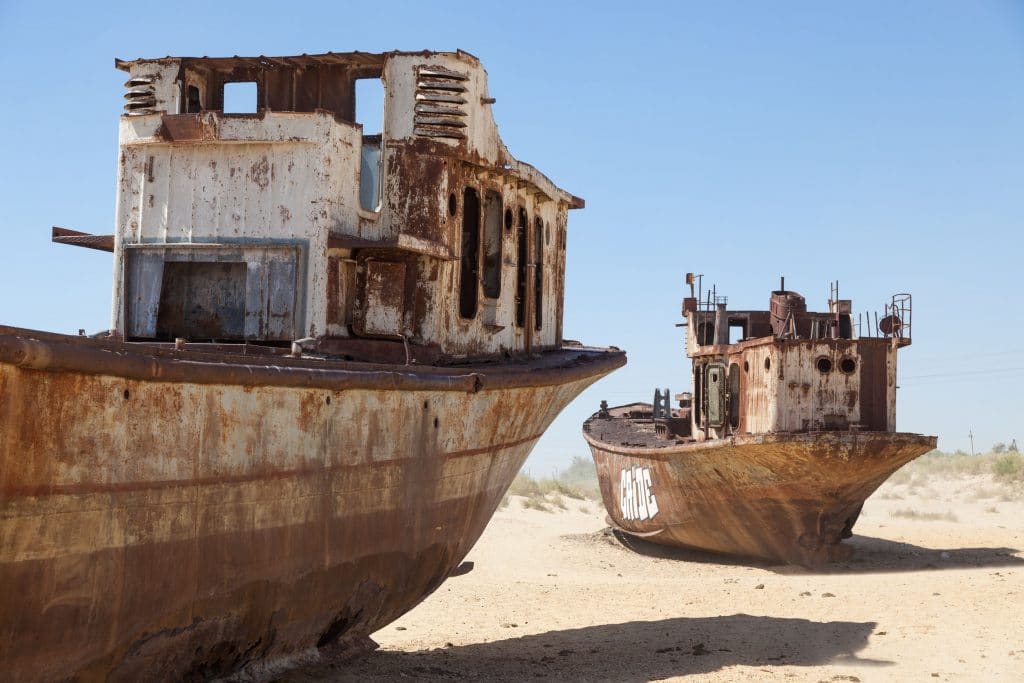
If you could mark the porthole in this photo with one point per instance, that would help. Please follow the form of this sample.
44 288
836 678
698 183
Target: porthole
453 204
847 365
767 363
746 366
824 365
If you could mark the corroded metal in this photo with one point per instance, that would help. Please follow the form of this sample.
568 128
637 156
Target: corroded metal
171 522
296 427
786 433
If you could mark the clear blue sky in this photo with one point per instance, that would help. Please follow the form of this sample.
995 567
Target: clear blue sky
877 143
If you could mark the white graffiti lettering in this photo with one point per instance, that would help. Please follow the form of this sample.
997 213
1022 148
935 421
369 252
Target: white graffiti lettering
636 494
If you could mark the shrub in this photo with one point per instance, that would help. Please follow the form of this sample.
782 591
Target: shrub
524 485
910 513
1009 467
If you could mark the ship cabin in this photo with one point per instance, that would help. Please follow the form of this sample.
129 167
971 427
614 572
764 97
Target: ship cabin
787 369
362 203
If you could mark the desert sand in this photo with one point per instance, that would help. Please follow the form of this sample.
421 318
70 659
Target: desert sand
934 591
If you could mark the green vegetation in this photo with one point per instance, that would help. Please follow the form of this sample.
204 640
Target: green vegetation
1009 467
1005 465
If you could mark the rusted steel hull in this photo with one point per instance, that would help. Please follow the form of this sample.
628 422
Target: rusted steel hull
782 497
165 516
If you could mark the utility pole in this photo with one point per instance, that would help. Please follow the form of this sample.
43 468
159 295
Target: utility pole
971 435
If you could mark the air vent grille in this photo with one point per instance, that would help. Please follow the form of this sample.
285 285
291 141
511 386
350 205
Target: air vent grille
440 103
141 96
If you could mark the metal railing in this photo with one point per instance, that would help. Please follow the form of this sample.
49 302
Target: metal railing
895 323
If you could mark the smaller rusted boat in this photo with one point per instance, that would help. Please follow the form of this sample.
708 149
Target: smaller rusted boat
791 425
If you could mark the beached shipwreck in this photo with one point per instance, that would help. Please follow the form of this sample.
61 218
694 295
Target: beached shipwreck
331 352
790 426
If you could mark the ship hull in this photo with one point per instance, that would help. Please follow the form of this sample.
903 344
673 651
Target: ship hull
167 516
781 497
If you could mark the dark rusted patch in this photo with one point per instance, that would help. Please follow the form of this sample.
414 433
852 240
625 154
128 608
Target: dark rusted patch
259 173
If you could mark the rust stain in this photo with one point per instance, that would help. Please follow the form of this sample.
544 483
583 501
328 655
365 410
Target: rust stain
294 430
259 173
787 431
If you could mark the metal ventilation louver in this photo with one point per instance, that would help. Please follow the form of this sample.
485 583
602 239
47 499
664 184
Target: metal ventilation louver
141 96
440 103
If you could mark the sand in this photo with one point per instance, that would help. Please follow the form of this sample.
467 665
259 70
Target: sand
551 595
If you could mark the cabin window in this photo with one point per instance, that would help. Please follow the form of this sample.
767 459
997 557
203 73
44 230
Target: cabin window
734 396
492 244
705 333
240 97
509 221
369 173
193 100
848 365
202 301
370 114
370 105
824 365
698 393
538 273
737 331
212 292
521 268
846 326
716 391
470 253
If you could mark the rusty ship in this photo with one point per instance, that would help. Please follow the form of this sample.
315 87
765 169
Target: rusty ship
332 349
790 426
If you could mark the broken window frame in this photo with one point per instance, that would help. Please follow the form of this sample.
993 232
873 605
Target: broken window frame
275 279
469 254
538 272
256 96
493 220
521 266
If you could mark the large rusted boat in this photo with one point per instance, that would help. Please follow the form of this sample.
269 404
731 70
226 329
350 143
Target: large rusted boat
331 352
789 428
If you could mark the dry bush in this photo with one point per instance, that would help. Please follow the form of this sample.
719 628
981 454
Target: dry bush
900 476
581 476
555 486
1009 467
983 492
937 463
910 513
536 503
524 485
992 508
555 499
890 495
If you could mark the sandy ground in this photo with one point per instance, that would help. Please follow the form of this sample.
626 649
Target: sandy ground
551 596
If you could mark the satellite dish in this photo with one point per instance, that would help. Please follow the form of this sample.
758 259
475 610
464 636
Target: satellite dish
890 325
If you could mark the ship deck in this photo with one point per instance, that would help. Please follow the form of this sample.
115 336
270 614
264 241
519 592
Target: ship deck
252 365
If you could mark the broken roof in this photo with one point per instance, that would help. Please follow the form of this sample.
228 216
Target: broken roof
365 59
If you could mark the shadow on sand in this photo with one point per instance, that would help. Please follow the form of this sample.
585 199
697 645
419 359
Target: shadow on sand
870 555
630 651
